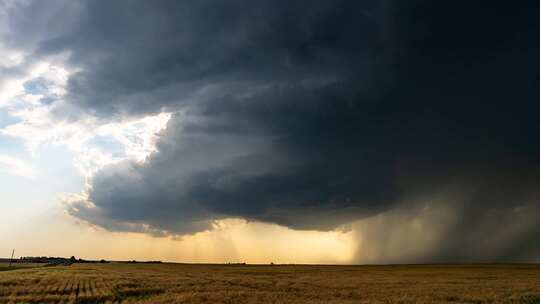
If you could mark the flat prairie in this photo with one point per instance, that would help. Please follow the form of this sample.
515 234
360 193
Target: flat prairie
198 283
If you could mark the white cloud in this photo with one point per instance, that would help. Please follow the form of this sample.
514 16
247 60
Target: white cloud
41 125
138 136
12 165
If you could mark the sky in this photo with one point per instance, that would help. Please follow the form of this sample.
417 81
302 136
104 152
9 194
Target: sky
347 132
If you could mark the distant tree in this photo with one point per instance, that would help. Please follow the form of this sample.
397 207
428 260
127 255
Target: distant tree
73 259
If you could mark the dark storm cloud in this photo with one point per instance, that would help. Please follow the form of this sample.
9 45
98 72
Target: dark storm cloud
311 114
261 87
138 57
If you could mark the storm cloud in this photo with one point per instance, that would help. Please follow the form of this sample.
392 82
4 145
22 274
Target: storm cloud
310 114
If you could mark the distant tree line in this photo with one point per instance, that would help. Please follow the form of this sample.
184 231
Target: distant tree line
57 260
143 262
71 260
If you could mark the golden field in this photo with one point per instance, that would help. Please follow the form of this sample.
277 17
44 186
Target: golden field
187 283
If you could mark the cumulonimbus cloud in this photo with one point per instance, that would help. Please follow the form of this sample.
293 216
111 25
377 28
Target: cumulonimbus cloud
309 114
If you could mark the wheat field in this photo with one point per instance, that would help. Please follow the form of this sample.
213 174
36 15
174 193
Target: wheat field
185 283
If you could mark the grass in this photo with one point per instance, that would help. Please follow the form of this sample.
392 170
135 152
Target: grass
184 283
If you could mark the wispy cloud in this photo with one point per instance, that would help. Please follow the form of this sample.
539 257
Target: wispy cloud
11 165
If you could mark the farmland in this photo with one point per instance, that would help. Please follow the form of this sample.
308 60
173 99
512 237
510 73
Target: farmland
186 283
